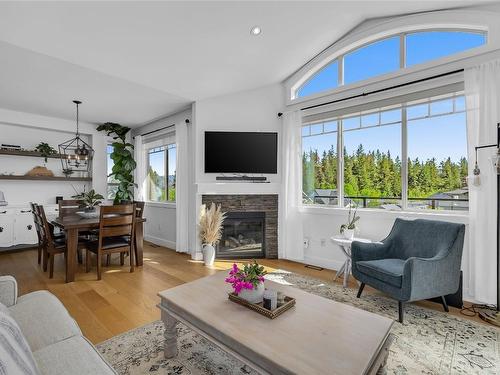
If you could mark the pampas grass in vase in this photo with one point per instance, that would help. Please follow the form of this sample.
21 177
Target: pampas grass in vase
210 227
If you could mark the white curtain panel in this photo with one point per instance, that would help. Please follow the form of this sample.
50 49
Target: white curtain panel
140 169
482 85
181 188
292 187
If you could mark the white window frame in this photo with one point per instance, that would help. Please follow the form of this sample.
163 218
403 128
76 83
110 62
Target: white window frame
404 153
366 33
148 147
108 184
402 57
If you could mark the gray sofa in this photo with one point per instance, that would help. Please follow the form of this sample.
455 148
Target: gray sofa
420 259
55 340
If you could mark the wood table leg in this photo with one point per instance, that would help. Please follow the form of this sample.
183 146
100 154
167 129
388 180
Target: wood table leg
139 243
72 244
170 334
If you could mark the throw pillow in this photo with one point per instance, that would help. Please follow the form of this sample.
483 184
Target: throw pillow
15 354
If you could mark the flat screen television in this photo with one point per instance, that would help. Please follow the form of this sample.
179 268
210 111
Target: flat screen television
241 152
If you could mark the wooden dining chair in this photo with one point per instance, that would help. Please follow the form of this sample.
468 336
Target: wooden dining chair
69 207
33 207
51 245
139 211
116 235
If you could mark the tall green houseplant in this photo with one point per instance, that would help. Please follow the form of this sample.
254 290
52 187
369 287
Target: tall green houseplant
123 160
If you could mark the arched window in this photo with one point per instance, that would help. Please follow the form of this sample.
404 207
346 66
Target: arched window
389 55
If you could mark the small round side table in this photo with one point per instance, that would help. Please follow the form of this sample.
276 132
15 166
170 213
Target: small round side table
345 245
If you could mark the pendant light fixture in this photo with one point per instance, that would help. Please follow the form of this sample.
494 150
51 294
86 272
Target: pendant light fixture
76 154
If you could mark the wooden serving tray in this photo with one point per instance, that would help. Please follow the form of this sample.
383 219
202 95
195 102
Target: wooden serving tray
271 314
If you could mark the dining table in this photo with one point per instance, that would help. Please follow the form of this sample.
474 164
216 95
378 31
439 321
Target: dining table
73 223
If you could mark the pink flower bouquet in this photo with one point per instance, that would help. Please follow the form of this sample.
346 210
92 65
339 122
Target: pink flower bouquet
247 278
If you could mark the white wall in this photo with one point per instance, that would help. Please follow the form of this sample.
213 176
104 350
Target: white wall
27 130
160 227
254 110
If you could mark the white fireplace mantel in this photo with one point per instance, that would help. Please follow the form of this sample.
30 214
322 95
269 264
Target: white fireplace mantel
238 188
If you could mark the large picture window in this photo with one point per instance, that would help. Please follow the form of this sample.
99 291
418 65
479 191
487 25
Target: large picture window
419 148
161 164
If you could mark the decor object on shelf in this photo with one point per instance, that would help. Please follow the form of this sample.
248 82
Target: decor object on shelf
123 161
45 150
419 259
3 202
248 283
90 199
76 154
10 147
210 226
39 171
348 229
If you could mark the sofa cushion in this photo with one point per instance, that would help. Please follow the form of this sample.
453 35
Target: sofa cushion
15 353
43 319
75 356
386 270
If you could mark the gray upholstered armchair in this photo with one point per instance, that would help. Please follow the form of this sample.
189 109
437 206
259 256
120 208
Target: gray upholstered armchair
419 259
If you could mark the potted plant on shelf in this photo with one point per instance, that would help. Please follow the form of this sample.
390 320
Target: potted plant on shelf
210 226
349 228
90 199
248 283
45 150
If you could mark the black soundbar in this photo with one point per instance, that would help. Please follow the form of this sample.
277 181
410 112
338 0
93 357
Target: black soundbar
241 178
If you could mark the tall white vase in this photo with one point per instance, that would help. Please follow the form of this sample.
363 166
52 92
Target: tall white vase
208 255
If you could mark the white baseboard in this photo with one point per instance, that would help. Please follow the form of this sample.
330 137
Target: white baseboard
331 264
160 241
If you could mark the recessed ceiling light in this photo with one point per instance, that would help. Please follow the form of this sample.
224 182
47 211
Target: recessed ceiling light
256 30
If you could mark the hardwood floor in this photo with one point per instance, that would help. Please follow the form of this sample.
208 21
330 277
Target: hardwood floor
122 300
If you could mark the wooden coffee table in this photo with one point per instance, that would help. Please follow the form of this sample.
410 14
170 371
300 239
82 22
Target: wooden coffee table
317 336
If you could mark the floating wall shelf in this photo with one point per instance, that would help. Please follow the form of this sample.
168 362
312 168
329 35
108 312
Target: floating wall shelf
34 154
45 178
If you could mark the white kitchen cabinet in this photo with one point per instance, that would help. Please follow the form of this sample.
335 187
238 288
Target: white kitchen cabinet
6 228
17 226
24 228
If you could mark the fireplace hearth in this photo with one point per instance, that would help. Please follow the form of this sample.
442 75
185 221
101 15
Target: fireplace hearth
243 236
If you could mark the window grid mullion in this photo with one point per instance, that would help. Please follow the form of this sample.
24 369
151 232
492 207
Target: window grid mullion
404 159
166 173
340 163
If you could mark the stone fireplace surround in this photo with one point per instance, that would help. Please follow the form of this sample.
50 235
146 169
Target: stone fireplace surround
267 203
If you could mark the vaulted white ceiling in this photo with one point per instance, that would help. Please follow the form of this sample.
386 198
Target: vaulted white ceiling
131 62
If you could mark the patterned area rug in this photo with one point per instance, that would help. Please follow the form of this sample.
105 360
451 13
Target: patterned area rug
429 342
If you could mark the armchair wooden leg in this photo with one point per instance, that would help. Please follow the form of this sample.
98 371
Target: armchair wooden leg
445 304
401 311
122 259
108 260
360 290
79 256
